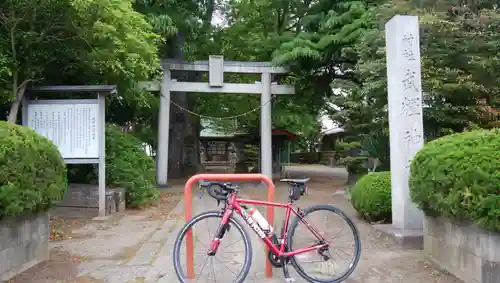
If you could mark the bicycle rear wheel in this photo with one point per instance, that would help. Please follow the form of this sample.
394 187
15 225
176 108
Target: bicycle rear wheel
325 269
216 265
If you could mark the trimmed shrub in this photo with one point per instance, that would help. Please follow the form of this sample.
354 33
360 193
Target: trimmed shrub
32 171
251 152
458 176
371 196
127 166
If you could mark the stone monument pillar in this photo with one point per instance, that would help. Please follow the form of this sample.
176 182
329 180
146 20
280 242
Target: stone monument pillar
405 124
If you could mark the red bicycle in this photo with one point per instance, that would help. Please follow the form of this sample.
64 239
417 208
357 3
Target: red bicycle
281 249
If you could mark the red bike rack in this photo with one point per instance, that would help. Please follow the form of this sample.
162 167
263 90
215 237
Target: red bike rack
188 213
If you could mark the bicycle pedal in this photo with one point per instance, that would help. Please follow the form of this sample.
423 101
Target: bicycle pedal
290 279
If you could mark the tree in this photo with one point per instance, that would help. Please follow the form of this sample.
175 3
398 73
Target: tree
74 42
267 25
459 76
201 39
26 25
459 71
321 50
188 41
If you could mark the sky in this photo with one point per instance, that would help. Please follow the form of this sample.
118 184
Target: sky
218 18
328 124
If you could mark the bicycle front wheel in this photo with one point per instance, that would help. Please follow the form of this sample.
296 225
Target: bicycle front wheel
324 265
234 250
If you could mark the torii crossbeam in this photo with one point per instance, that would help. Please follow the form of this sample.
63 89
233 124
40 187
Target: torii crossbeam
216 67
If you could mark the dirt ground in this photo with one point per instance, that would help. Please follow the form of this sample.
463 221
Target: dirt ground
62 265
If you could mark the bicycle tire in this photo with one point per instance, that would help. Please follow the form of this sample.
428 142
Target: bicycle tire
234 223
296 265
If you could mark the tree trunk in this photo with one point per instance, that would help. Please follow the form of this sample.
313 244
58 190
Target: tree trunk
195 122
181 124
197 129
16 104
178 116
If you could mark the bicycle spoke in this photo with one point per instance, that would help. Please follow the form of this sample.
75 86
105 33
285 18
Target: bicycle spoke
338 233
225 266
228 263
233 243
210 238
334 261
198 241
228 259
213 268
203 267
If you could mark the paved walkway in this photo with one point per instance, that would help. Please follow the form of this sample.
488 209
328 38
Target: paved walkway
316 171
137 248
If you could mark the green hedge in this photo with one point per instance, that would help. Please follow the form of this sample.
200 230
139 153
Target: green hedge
32 171
371 196
458 176
127 166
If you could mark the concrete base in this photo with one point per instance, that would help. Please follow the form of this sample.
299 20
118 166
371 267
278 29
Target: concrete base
409 239
465 250
162 186
24 242
82 201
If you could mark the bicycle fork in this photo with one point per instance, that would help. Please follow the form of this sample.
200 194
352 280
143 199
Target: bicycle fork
219 234
218 237
283 259
286 274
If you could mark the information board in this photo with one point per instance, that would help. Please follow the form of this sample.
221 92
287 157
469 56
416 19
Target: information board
72 127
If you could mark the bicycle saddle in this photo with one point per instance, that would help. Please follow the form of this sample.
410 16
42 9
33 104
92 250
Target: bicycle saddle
296 181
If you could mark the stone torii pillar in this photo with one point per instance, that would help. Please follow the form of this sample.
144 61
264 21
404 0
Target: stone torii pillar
266 128
163 132
216 67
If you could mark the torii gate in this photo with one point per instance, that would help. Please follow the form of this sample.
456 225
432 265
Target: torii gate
216 67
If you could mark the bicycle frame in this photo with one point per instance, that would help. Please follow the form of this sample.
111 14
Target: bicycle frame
234 204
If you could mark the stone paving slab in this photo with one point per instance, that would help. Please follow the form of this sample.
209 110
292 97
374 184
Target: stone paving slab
145 255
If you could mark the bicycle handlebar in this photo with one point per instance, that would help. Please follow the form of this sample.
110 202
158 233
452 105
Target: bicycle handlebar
218 194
